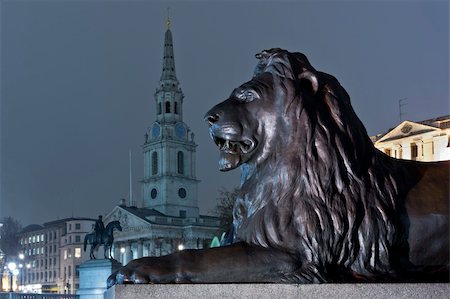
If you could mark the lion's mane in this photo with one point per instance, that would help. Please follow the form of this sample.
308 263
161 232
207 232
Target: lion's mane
324 193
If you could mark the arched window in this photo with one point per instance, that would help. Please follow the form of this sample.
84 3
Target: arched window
167 107
154 163
180 162
175 108
159 108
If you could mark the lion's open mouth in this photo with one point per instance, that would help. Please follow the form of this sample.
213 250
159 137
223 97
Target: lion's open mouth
231 151
234 147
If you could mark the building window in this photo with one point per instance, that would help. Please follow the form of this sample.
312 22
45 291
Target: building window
70 226
154 193
167 107
77 239
180 162
159 108
42 238
414 151
65 254
78 252
183 214
175 108
154 163
182 193
77 226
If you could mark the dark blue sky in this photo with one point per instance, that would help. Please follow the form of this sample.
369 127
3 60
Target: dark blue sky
78 77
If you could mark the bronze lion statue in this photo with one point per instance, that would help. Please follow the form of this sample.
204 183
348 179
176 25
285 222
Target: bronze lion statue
317 202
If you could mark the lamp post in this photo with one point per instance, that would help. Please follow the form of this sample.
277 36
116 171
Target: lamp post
12 270
21 271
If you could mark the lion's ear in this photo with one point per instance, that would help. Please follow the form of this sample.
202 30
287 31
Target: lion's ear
308 81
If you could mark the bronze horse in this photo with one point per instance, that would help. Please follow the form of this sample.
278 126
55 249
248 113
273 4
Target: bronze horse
107 239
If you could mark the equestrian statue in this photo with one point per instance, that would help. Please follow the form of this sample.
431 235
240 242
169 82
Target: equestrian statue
101 236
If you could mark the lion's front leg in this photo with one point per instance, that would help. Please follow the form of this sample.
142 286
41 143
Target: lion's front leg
239 262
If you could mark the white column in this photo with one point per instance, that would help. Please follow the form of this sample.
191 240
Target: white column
117 251
151 248
140 249
127 255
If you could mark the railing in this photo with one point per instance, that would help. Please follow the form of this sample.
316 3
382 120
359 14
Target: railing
12 295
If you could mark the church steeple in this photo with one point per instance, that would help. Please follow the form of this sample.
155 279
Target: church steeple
170 183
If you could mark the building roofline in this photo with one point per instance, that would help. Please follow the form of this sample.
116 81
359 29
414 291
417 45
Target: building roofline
54 222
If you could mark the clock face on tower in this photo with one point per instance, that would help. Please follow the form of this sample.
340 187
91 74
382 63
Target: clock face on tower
180 130
156 131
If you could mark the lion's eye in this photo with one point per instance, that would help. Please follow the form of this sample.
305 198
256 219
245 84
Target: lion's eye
247 95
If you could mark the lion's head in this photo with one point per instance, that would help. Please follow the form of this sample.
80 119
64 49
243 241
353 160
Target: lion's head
311 179
288 108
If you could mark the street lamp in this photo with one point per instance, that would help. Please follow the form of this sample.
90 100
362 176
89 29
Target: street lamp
12 269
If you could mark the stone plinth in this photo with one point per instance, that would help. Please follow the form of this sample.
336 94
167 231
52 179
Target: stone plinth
93 276
261 291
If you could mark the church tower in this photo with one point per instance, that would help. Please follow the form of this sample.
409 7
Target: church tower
170 183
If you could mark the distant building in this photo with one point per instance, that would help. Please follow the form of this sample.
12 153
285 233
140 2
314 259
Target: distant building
52 254
427 140
170 218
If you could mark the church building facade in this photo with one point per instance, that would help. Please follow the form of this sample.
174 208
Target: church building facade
169 219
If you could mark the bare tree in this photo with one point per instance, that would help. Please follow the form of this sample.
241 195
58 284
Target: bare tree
224 209
9 241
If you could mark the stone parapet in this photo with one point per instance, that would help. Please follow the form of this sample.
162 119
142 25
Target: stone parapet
261 291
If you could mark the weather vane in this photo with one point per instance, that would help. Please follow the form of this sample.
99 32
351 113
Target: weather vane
168 18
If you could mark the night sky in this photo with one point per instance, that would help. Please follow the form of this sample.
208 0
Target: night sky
78 78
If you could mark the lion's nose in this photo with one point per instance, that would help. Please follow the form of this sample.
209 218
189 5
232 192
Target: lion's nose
211 117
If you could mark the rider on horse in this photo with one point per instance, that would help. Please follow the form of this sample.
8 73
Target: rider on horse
99 229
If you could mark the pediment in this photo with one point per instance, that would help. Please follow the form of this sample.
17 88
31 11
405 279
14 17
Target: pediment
406 129
126 219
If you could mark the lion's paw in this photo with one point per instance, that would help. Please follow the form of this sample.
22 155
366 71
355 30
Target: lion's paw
126 275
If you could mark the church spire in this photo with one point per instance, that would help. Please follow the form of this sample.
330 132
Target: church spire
168 73
168 20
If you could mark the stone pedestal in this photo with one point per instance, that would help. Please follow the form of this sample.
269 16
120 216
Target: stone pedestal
93 276
262 291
